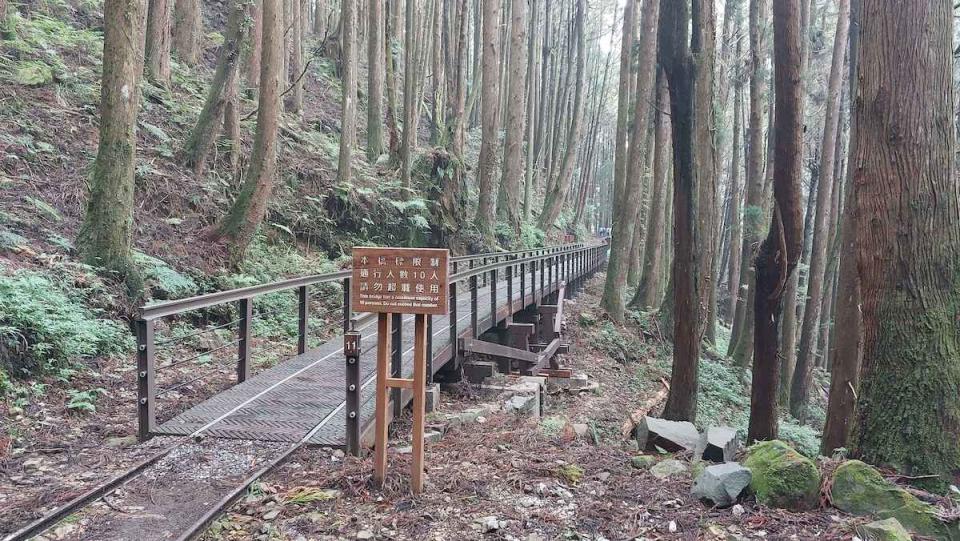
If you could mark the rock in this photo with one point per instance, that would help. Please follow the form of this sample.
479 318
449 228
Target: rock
859 489
272 514
782 477
581 429
668 468
432 436
121 441
490 524
432 398
365 535
721 483
738 510
339 453
719 444
884 530
603 476
671 436
32 464
643 462
521 405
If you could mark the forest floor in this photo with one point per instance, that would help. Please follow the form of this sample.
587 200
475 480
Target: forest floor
516 478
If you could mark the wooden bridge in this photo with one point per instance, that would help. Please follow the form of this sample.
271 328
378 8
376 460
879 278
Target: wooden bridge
506 306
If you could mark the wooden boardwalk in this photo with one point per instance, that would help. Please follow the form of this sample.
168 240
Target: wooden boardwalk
302 398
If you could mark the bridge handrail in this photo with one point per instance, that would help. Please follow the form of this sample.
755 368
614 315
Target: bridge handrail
173 307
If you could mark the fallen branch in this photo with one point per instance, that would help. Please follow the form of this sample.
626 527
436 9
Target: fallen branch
634 419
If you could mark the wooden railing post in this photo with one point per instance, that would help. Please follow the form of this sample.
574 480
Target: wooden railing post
523 285
244 335
347 306
303 314
352 351
493 297
474 323
510 288
146 379
454 333
429 349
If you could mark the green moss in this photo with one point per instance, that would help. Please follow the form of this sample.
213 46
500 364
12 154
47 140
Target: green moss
571 473
782 477
859 489
643 462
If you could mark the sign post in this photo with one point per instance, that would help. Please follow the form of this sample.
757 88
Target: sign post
390 281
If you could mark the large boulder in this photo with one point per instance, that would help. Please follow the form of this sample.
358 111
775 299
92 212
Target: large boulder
782 477
668 468
719 444
859 489
884 530
721 483
671 436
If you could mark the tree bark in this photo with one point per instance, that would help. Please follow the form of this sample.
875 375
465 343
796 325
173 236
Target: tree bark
736 231
204 132
105 235
252 54
557 195
296 57
780 251
242 221
741 345
908 239
629 35
348 111
157 52
375 75
489 104
647 295
629 196
187 31
411 100
689 67
513 167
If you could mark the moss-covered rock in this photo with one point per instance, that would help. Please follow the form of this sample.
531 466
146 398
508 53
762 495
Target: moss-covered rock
859 489
643 462
884 530
782 477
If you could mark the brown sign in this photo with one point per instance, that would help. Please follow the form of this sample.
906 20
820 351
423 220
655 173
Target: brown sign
399 280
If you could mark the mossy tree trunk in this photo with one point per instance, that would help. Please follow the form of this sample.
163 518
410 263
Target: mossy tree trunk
105 235
187 31
411 98
251 71
908 230
248 210
157 52
780 251
629 198
204 132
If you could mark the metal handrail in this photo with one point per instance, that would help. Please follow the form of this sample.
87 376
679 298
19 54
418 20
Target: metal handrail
199 302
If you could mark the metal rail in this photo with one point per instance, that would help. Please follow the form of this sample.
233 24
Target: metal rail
554 264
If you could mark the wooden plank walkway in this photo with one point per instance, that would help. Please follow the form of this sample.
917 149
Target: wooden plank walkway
302 398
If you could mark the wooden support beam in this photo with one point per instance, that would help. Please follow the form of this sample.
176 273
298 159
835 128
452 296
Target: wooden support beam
496 350
399 383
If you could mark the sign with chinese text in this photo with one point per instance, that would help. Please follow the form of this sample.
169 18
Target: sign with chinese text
399 280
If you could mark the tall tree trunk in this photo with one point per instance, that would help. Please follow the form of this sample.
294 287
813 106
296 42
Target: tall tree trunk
457 112
348 111
647 295
532 86
252 53
157 52
204 132
846 354
689 67
187 31
248 210
411 101
736 232
780 251
908 232
105 235
629 198
296 57
741 345
489 103
557 195
803 375
391 44
629 36
375 75
513 170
